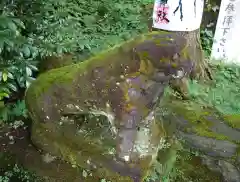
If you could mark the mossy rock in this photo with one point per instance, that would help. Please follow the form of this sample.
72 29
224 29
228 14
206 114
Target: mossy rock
233 120
194 117
92 153
189 167
59 98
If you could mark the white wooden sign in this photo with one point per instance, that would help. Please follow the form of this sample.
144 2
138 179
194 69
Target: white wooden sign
177 15
226 46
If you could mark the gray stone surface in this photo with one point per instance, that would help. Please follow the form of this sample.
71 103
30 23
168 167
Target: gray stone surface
229 171
210 146
221 128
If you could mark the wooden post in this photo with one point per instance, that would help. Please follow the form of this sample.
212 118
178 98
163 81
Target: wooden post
226 39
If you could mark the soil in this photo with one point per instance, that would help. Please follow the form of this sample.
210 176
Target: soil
24 153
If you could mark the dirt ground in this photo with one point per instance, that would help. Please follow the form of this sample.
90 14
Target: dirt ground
17 144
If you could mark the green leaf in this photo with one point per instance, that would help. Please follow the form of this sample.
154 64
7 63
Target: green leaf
5 76
3 94
28 71
59 50
12 26
19 23
33 67
9 43
13 87
27 83
10 75
26 52
34 52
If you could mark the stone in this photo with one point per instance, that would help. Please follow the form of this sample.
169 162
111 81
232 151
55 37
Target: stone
219 126
100 114
192 117
208 133
211 146
229 172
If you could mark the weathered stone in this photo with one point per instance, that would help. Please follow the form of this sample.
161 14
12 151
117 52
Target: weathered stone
192 117
218 126
204 129
123 84
212 147
229 172
186 168
233 120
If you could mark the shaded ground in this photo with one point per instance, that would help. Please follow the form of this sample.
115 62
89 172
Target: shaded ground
27 155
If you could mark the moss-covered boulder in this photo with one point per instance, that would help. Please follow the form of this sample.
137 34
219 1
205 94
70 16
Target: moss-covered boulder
99 114
210 134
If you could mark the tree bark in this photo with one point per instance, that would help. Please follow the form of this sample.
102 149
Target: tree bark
201 71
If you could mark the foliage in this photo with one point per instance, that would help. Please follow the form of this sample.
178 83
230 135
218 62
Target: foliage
16 55
81 26
19 174
14 111
206 41
207 31
223 93
33 29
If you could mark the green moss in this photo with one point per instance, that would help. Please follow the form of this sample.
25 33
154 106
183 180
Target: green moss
190 168
79 150
196 116
71 152
66 74
179 163
238 151
233 120
203 132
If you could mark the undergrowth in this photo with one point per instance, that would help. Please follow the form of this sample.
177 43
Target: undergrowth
223 93
17 173
31 30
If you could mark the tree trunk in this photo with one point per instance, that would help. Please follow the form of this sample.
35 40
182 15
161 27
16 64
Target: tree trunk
201 72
